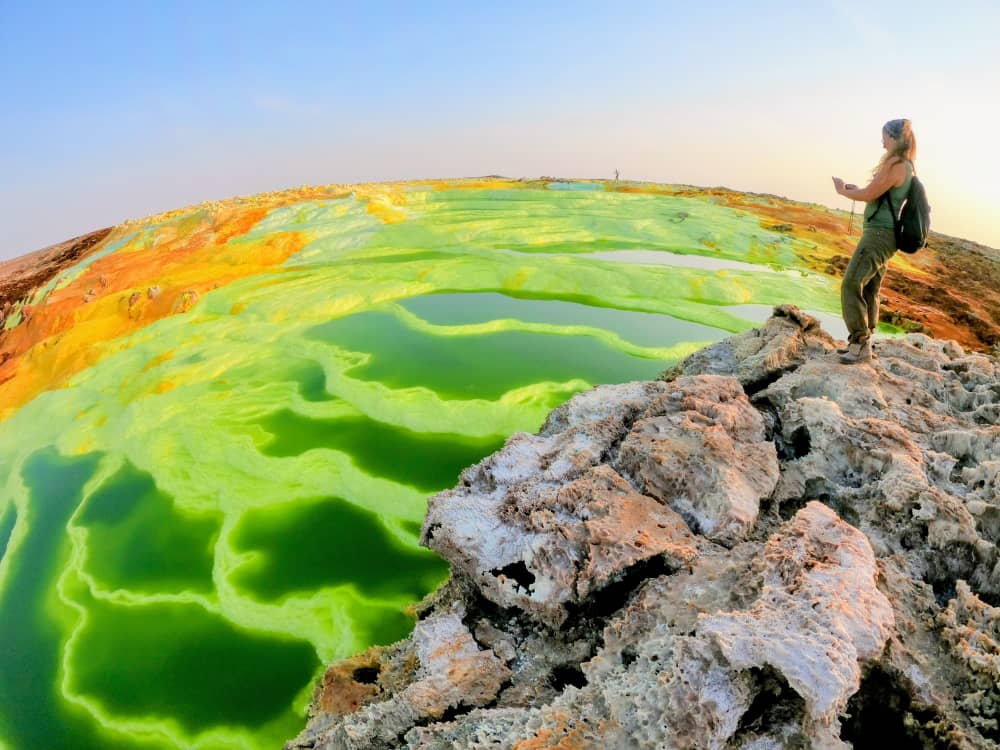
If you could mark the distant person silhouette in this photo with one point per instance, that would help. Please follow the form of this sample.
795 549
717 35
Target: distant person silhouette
859 290
616 175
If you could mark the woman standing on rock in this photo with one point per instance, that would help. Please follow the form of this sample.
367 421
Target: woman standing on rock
860 289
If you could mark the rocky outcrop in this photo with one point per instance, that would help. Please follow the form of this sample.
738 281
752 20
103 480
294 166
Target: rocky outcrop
701 448
21 276
764 549
439 668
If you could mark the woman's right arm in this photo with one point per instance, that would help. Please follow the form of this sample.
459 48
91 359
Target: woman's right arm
887 177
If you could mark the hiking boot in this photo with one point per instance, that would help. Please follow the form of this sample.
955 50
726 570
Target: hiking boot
845 349
856 353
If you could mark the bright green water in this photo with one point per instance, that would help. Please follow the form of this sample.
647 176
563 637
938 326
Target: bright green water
424 461
232 497
136 539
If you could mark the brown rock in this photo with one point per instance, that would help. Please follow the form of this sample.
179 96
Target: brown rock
348 684
452 670
705 455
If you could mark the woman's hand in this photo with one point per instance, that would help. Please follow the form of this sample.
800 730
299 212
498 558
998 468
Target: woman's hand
841 188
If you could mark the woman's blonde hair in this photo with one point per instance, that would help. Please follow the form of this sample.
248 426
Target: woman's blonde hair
906 143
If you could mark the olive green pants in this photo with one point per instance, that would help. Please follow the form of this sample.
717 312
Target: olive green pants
862 281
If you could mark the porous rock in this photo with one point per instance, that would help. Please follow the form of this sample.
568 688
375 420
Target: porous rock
972 629
765 549
448 669
542 524
701 449
819 616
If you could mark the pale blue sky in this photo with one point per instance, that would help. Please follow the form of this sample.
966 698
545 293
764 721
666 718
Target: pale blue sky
120 110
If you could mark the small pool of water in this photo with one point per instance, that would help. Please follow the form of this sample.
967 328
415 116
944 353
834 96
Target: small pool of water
650 257
642 328
681 260
579 187
476 366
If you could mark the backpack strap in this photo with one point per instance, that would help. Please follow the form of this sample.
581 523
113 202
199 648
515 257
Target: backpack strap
881 199
886 197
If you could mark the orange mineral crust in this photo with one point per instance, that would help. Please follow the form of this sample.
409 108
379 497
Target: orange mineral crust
126 290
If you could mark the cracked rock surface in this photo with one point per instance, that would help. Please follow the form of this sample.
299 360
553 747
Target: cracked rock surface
763 549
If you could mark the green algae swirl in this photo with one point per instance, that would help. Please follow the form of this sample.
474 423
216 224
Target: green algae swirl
229 497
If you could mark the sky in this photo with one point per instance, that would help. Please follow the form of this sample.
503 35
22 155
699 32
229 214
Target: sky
110 111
